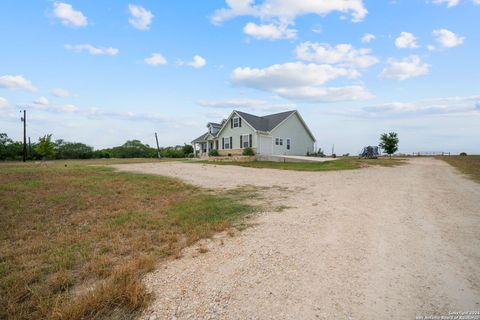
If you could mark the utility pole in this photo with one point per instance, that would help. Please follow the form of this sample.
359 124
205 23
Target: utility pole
24 120
158 148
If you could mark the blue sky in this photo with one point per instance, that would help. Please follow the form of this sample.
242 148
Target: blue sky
103 72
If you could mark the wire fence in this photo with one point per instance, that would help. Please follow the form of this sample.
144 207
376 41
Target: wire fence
430 153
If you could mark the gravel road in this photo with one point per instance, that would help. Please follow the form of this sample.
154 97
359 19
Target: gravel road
374 243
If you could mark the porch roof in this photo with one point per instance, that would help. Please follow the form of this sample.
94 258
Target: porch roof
202 138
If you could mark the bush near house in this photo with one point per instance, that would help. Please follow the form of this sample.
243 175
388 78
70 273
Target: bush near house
248 152
213 153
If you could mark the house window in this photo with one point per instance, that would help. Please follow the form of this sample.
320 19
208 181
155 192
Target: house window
245 141
289 142
279 141
236 122
227 143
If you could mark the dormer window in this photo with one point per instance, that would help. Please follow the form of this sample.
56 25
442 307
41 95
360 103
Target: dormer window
236 122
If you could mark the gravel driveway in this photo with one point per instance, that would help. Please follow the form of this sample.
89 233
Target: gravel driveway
375 243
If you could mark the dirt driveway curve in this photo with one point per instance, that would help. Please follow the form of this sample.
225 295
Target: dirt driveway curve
376 243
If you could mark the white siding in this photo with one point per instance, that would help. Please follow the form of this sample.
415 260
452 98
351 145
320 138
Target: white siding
235 133
292 128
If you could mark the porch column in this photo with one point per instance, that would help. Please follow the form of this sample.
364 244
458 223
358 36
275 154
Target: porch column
208 147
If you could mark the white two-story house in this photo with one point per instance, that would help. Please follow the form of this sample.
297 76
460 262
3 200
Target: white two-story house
284 133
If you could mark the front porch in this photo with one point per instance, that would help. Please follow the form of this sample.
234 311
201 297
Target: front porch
202 148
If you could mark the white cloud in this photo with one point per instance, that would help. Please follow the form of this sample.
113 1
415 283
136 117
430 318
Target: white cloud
406 40
318 28
449 105
16 82
61 93
300 81
292 74
156 59
256 105
67 108
41 101
342 53
450 3
368 37
447 38
92 50
97 113
4 103
476 2
197 62
411 66
140 18
287 10
69 16
326 94
231 103
269 31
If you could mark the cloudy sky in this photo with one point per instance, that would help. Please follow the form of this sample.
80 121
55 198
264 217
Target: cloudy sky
102 72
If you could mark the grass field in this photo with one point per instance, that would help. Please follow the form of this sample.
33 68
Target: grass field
75 240
469 165
344 163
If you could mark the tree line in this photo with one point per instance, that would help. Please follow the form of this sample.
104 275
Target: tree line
46 148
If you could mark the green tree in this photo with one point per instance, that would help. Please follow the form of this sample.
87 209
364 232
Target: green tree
9 149
5 141
389 143
73 150
187 149
45 147
133 149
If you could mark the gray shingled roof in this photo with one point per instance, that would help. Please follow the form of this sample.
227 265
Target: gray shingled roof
265 123
201 138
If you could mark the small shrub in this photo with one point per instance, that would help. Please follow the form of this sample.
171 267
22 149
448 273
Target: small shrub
248 152
334 155
229 154
463 153
213 153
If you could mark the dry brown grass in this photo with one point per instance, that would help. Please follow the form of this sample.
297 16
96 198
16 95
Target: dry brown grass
469 165
76 240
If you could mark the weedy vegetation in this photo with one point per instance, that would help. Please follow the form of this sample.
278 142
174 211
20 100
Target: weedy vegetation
469 165
76 240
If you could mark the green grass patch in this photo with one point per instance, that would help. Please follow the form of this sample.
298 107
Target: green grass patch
344 163
69 226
